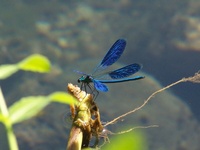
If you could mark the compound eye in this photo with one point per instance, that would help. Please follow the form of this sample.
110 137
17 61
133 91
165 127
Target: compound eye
78 80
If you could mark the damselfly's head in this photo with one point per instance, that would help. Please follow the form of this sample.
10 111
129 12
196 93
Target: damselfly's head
80 79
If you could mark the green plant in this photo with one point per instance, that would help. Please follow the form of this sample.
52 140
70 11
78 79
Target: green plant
132 140
26 107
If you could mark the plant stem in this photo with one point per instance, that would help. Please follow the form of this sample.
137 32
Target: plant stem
3 107
86 120
75 139
8 124
11 136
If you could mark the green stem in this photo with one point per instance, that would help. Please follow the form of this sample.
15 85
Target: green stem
75 138
8 124
11 136
3 107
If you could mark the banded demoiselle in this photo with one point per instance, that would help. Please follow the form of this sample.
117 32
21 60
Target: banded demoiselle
119 75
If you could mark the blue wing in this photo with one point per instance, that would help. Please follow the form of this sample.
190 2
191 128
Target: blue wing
120 75
114 53
121 80
100 86
125 71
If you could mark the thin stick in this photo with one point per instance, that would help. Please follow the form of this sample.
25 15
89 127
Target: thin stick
138 127
145 102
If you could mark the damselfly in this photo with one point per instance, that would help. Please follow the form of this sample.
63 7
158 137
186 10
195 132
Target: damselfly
119 75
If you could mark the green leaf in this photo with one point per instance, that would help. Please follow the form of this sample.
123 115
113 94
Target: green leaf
7 70
35 62
2 118
62 97
133 140
27 107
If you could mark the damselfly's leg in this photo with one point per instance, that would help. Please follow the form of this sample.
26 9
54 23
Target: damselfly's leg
93 90
81 86
95 96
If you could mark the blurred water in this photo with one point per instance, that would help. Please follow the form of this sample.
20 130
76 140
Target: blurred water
71 33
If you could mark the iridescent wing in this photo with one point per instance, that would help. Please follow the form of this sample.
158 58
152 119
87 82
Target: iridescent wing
112 55
120 75
100 86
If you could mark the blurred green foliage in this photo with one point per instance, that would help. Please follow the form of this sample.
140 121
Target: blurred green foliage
135 140
27 107
35 62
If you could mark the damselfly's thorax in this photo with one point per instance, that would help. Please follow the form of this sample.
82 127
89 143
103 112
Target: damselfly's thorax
85 79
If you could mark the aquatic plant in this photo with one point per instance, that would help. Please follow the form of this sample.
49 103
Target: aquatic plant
26 107
87 124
